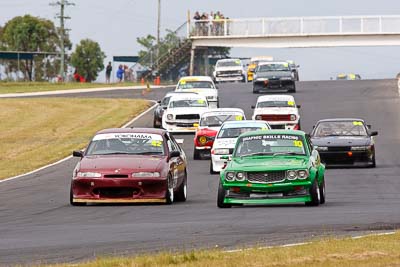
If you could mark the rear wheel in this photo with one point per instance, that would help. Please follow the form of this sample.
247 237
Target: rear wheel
221 197
255 91
169 194
181 195
196 154
315 194
155 124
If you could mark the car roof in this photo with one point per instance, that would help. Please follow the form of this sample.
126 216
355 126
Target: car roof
223 110
272 62
196 78
244 123
275 97
340 119
132 130
269 58
288 132
179 93
186 97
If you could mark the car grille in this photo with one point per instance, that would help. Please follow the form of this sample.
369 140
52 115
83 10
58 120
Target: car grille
229 72
116 192
278 126
180 124
266 177
339 148
188 117
115 176
275 117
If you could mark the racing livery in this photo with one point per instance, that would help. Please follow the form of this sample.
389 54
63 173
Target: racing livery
274 76
202 85
184 112
272 167
345 142
229 70
280 111
125 165
226 138
210 123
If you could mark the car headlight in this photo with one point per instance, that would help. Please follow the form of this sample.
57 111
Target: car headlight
321 148
286 78
302 174
89 174
293 117
218 72
146 174
359 148
221 151
230 176
240 176
170 117
291 175
258 117
262 79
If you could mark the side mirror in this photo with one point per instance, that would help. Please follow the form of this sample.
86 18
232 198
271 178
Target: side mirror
253 107
159 101
77 154
165 107
313 126
298 106
175 154
374 133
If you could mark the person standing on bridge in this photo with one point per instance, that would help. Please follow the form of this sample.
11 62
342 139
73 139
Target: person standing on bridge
120 73
196 18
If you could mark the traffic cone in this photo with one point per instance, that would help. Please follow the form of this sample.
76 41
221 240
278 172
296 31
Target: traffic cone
142 81
158 80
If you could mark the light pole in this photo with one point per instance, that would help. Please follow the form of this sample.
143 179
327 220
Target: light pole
158 30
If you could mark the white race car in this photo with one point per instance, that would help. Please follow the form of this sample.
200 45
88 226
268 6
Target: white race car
183 112
225 140
210 123
202 85
280 111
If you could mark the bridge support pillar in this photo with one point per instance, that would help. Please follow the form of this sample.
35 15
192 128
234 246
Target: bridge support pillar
192 54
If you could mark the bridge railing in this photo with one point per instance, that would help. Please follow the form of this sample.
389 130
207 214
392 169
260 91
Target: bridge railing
294 26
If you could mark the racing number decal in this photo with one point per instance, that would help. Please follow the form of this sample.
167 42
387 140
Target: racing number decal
359 123
239 118
290 103
156 143
298 143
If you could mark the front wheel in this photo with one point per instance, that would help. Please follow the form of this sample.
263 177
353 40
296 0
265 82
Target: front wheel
292 90
156 124
322 192
255 91
315 194
181 195
196 154
212 168
221 197
169 194
71 200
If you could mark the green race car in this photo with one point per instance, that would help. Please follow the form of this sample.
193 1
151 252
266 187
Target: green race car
272 167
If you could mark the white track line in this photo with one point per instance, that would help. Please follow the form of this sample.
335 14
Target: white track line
307 243
74 91
69 157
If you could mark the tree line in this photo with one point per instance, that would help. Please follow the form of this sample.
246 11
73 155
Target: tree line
34 34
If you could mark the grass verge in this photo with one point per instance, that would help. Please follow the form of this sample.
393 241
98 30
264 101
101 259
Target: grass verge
29 87
37 131
371 251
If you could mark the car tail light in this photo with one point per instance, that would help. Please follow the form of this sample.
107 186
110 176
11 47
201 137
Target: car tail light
296 127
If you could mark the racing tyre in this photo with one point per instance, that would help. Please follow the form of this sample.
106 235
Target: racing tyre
181 195
212 168
315 194
169 194
221 196
373 165
322 192
255 91
196 154
71 197
292 90
155 125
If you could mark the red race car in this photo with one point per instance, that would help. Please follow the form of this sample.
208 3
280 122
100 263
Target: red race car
125 165
209 124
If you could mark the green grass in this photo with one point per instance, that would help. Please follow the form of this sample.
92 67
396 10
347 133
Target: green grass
372 251
37 131
27 87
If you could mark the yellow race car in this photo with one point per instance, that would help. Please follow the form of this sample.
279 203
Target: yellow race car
253 65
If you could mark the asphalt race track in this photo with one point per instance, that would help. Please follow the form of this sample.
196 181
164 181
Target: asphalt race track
38 225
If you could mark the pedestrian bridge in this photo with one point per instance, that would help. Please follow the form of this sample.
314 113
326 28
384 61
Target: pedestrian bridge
294 32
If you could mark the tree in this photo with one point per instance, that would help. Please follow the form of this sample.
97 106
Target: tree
32 34
88 59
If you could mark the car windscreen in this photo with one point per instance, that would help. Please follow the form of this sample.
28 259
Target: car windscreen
273 67
126 143
195 84
234 132
188 103
275 103
270 144
217 120
232 63
340 128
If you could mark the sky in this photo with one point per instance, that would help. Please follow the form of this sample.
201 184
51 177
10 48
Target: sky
116 25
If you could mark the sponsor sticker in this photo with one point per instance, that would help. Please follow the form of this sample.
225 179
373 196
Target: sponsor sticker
238 117
183 82
290 103
272 137
298 143
357 123
144 136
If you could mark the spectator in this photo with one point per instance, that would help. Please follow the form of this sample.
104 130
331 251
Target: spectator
204 24
108 72
120 73
197 17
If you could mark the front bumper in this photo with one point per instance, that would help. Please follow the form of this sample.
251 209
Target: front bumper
285 126
179 127
229 78
119 190
218 163
343 158
271 85
278 193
